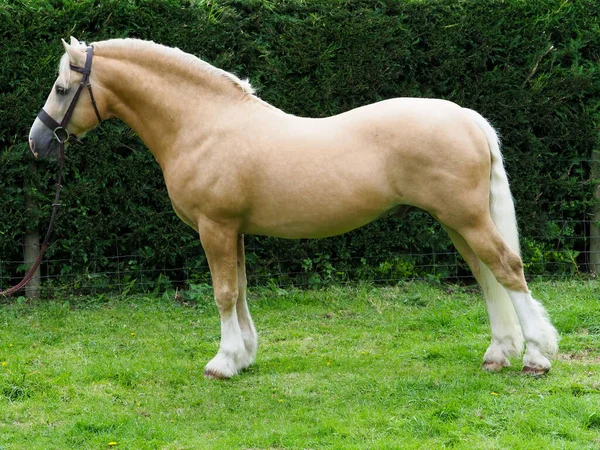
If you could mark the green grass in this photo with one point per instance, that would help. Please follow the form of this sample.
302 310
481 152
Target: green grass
343 368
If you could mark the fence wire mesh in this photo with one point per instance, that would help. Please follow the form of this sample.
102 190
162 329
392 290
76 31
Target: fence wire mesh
137 273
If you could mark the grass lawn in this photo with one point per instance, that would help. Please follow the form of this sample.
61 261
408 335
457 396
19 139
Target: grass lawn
342 368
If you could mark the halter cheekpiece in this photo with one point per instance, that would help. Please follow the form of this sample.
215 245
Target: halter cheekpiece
61 134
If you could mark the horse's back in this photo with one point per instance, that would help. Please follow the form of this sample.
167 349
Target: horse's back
347 170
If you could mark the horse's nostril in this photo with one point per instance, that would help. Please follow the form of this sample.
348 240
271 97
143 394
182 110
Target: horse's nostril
32 147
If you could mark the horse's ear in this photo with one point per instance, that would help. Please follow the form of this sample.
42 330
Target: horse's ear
74 42
76 56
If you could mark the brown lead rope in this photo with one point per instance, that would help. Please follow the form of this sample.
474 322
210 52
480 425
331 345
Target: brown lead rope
29 275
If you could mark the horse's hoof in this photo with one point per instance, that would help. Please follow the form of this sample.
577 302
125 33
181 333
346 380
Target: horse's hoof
535 371
214 375
493 366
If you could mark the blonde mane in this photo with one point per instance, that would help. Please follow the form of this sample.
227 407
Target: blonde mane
168 53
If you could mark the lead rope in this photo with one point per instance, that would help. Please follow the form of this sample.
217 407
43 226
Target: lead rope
29 275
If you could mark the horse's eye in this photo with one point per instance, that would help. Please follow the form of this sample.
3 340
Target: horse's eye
60 90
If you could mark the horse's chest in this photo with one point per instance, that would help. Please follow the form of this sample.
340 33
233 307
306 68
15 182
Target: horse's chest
180 200
183 214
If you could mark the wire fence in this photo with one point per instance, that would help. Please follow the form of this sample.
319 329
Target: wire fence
138 273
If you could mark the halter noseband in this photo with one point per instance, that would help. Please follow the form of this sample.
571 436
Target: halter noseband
61 134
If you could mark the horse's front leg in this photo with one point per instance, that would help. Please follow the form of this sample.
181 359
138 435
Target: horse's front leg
221 248
245 320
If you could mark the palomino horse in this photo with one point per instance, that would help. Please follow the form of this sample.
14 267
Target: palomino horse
233 165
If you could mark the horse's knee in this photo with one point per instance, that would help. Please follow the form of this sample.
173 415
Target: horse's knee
226 298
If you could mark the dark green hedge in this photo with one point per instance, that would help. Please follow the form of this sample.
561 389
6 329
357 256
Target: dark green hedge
312 58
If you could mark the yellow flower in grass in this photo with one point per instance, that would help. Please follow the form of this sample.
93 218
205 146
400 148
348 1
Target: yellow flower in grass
4 363
112 443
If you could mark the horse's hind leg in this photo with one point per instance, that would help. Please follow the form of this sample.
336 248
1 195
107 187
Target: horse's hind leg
221 247
243 313
507 339
540 336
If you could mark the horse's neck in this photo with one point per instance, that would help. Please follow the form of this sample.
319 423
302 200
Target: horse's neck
158 103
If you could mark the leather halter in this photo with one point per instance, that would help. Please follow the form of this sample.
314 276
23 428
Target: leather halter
61 134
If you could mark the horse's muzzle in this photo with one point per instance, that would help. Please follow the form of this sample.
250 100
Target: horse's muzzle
44 147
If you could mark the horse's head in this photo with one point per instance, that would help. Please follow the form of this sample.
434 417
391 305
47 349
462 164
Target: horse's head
70 110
